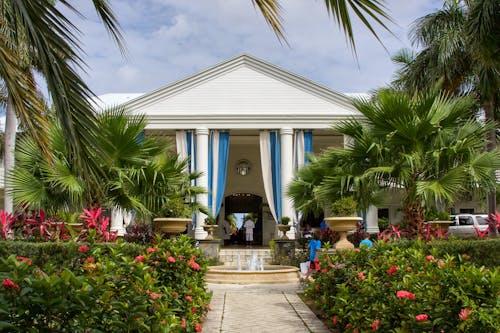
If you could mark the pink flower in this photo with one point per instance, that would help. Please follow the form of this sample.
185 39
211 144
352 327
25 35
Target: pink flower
405 294
361 276
150 250
197 328
9 284
89 260
421 317
171 259
154 295
193 309
155 263
139 258
464 313
392 270
334 320
83 248
375 324
429 258
189 298
194 265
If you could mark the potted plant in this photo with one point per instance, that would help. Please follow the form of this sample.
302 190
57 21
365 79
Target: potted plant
176 215
343 220
284 226
210 226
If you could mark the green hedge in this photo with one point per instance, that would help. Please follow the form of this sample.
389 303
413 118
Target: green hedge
481 252
60 254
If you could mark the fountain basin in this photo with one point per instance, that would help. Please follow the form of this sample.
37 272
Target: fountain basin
270 274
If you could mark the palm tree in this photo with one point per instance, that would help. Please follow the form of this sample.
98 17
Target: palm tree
36 36
140 172
338 9
428 145
462 49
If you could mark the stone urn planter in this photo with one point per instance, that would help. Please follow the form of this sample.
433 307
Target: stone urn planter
284 228
343 225
210 228
170 226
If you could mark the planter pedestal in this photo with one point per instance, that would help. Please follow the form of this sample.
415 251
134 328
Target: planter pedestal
284 228
170 226
343 225
284 249
210 248
210 230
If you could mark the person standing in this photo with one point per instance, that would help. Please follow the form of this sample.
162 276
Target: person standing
366 241
313 245
249 225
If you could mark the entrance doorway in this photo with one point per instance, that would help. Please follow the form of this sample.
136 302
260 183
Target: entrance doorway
241 204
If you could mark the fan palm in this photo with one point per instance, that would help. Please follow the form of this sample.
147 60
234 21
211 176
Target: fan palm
140 171
460 47
428 145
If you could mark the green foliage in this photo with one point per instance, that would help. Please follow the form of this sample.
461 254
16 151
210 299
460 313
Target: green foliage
345 206
109 288
388 287
285 220
383 223
176 207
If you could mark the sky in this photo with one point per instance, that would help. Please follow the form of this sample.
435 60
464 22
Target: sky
168 40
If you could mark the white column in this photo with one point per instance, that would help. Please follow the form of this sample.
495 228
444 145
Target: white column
287 176
372 220
202 181
117 217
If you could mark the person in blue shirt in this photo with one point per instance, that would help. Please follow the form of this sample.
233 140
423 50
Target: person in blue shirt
313 245
366 241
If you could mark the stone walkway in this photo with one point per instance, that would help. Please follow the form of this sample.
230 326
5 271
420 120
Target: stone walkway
259 308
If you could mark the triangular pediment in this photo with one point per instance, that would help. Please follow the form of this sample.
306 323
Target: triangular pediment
244 87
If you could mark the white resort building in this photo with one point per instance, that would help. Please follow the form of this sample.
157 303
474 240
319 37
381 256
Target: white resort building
247 125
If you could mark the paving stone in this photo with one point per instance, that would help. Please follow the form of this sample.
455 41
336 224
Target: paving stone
260 309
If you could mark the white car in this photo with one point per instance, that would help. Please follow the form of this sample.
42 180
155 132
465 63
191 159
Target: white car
465 225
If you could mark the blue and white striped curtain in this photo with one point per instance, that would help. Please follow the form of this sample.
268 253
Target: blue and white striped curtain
270 155
218 152
186 148
302 147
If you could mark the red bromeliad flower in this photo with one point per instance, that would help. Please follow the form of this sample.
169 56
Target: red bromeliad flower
83 248
421 317
392 270
9 284
23 259
402 294
375 324
464 313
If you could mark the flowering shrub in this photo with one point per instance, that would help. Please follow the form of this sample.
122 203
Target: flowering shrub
391 289
107 290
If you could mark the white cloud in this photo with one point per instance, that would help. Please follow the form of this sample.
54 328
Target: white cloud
172 39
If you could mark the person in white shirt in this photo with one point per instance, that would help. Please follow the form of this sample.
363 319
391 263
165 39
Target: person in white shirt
249 225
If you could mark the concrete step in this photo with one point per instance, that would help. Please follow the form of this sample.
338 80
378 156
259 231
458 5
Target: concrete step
230 256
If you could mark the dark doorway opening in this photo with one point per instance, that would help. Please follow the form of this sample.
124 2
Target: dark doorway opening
241 204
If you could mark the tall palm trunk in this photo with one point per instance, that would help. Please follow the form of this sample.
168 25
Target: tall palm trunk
413 213
9 157
491 144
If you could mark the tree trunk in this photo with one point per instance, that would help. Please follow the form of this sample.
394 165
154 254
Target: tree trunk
414 216
491 144
9 158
